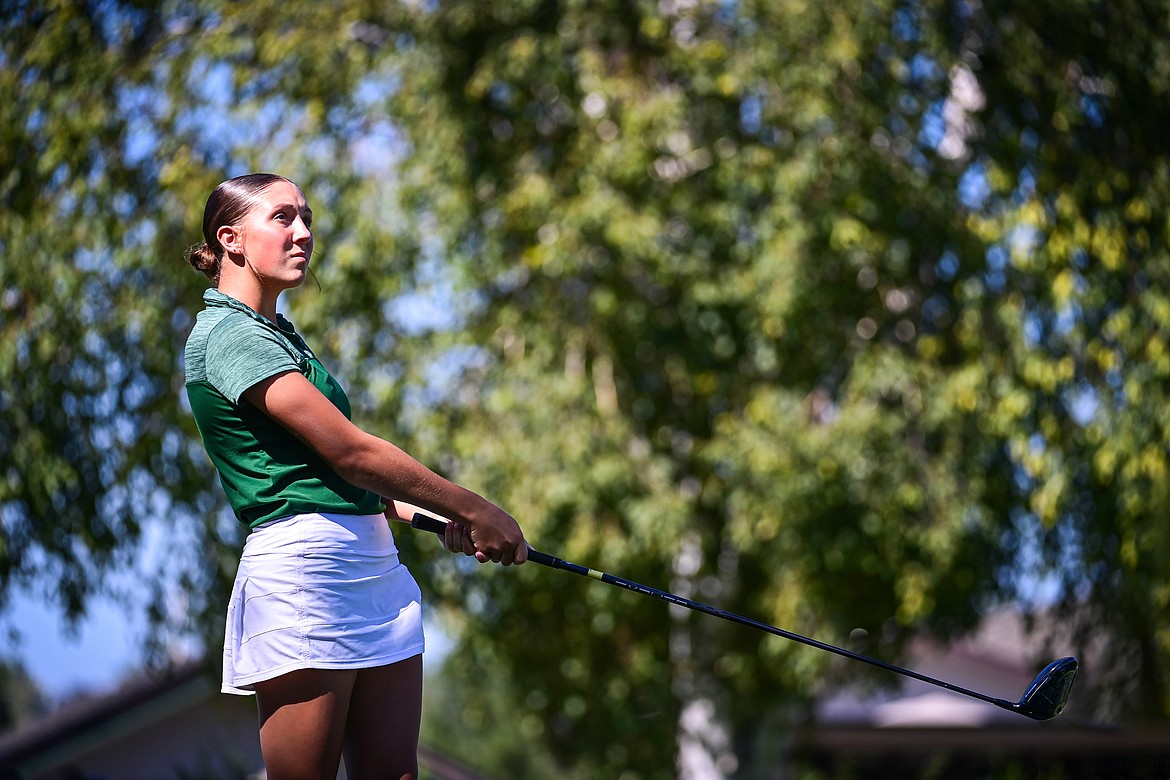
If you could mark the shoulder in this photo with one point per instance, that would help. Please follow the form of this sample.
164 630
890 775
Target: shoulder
218 331
239 341
200 339
235 329
238 351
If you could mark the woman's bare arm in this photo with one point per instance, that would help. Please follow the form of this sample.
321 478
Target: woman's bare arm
381 467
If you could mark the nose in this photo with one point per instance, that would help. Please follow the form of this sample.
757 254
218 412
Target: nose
302 232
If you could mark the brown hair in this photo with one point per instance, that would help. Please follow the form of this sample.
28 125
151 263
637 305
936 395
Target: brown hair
227 205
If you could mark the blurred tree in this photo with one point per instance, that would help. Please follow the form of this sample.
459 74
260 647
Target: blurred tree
91 440
1075 171
20 699
764 297
836 316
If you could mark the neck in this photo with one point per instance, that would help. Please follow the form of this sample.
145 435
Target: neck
261 301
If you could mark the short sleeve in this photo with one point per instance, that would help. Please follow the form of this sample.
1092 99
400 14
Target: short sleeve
242 352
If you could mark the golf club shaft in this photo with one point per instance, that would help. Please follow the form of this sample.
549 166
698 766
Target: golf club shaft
433 525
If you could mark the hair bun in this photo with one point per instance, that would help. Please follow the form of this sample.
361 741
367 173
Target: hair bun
202 259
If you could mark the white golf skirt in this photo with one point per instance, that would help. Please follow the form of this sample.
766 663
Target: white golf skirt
319 591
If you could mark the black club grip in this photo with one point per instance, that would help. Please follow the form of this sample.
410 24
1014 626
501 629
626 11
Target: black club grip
427 523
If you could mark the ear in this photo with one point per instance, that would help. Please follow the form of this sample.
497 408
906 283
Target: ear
231 238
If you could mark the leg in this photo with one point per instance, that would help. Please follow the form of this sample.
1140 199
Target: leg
302 723
381 737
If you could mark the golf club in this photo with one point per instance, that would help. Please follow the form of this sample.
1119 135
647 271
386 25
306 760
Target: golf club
1043 700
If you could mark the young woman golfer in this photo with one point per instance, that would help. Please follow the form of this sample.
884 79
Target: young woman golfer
324 622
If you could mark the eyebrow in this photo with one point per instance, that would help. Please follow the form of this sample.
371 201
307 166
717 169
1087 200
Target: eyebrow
282 206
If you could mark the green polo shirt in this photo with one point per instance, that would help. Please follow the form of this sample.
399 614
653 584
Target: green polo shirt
266 471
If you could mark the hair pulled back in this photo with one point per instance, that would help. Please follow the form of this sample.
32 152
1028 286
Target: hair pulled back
227 205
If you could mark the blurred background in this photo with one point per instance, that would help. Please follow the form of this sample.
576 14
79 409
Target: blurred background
853 318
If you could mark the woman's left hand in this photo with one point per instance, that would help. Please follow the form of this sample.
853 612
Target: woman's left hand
457 538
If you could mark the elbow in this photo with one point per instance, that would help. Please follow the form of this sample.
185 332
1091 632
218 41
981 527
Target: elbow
355 462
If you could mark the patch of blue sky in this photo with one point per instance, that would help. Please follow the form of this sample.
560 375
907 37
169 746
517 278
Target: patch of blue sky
947 266
1082 403
1025 186
1033 329
106 644
934 126
995 276
1032 576
751 113
432 303
905 25
924 69
140 105
379 150
1024 239
974 189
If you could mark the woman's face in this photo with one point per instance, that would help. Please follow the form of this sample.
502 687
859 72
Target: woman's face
277 241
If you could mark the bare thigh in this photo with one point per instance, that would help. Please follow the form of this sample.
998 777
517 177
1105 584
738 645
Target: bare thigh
302 722
381 735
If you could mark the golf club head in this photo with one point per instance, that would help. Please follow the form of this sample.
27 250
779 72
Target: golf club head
1046 696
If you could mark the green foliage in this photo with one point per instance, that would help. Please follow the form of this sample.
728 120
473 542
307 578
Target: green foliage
89 435
845 316
1076 155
